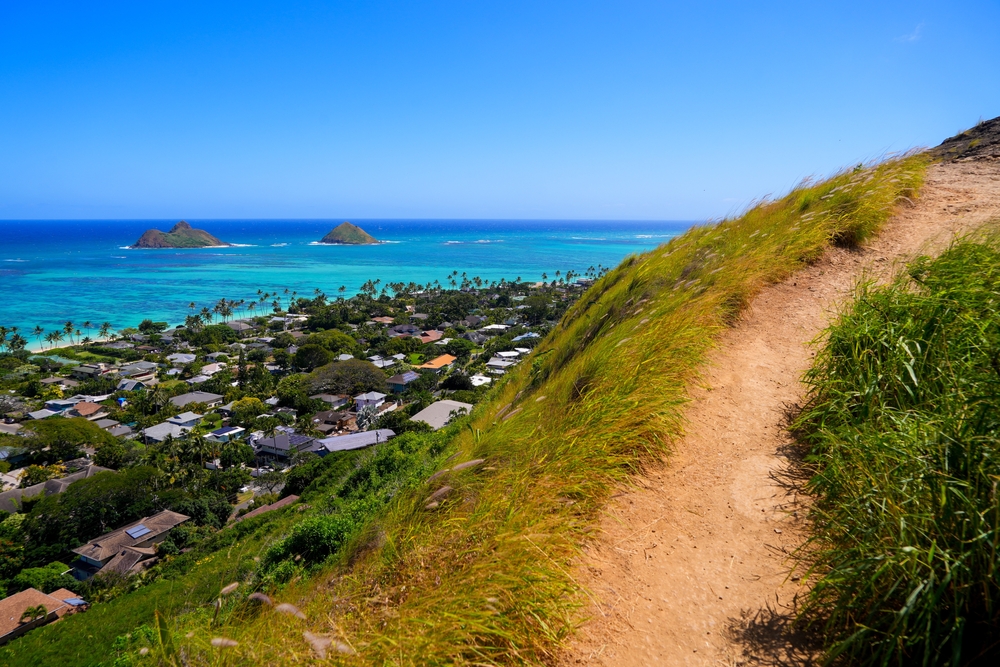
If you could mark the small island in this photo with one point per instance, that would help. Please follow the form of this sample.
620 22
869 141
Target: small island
182 235
348 234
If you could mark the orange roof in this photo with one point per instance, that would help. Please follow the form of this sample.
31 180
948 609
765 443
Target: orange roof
440 362
431 336
383 320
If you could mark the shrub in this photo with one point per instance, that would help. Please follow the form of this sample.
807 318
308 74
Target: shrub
904 424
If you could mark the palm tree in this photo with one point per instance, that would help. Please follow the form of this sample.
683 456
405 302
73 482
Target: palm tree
68 330
105 330
50 338
87 326
32 614
38 332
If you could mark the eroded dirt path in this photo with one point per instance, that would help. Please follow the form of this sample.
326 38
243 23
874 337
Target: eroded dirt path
691 567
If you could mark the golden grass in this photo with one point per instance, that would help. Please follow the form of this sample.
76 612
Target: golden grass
487 577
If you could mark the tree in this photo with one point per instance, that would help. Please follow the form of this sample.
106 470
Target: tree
271 481
35 474
148 327
309 357
32 614
236 453
350 377
45 579
62 439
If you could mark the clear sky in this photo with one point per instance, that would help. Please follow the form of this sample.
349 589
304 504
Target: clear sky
469 109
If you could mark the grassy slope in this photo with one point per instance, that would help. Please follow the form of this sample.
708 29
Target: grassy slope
486 577
904 423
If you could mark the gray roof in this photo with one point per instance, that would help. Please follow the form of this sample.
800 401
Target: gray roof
110 544
10 501
342 443
161 431
438 414
195 397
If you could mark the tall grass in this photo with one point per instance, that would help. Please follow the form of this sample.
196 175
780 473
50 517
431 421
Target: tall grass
484 576
904 423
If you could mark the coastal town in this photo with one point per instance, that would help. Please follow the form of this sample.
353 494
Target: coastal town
164 435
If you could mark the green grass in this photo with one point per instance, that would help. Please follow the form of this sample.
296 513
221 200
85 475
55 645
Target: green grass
904 425
485 577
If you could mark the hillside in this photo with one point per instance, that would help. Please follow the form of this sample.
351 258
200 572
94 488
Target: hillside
347 234
181 235
497 556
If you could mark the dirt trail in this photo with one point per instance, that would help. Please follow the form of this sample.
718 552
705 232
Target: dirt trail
690 568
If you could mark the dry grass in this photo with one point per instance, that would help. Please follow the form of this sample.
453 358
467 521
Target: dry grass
486 577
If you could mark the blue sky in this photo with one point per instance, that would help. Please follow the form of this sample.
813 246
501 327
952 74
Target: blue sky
471 109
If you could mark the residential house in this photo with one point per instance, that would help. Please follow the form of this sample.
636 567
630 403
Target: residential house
131 385
419 316
431 336
498 366
120 431
106 424
371 399
91 371
439 413
161 432
210 400
472 321
333 400
480 380
398 383
10 501
343 443
403 330
438 364
384 363
44 413
526 336
181 358
212 369
89 411
241 327
215 356
64 384
473 337
61 404
186 419
126 550
383 320
225 434
57 604
342 357
284 444
328 421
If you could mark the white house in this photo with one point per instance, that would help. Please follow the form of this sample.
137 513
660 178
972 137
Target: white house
372 399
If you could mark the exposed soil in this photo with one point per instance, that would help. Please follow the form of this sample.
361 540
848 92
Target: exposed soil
691 566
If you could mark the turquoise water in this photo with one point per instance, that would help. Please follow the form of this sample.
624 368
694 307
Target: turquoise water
54 271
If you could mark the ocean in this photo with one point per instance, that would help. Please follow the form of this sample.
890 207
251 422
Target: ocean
52 271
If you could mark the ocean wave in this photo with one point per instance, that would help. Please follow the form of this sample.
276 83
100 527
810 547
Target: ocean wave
489 241
588 238
278 245
236 245
454 242
16 260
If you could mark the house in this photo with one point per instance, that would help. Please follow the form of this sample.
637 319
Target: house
212 369
57 604
161 432
384 363
106 424
123 551
241 327
345 357
494 329
225 434
44 413
215 356
439 413
181 358
283 444
186 419
403 330
509 355
480 380
119 345
526 336
473 337
63 383
210 400
398 383
383 320
10 501
143 371
333 400
498 366
431 336
120 431
130 385
343 443
87 410
197 379
472 321
329 421
61 404
371 399
91 371
419 316
439 363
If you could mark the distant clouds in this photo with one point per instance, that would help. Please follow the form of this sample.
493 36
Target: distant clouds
913 36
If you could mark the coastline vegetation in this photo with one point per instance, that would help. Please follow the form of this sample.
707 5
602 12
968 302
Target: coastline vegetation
904 429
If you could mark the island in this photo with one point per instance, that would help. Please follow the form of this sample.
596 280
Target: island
348 234
182 235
